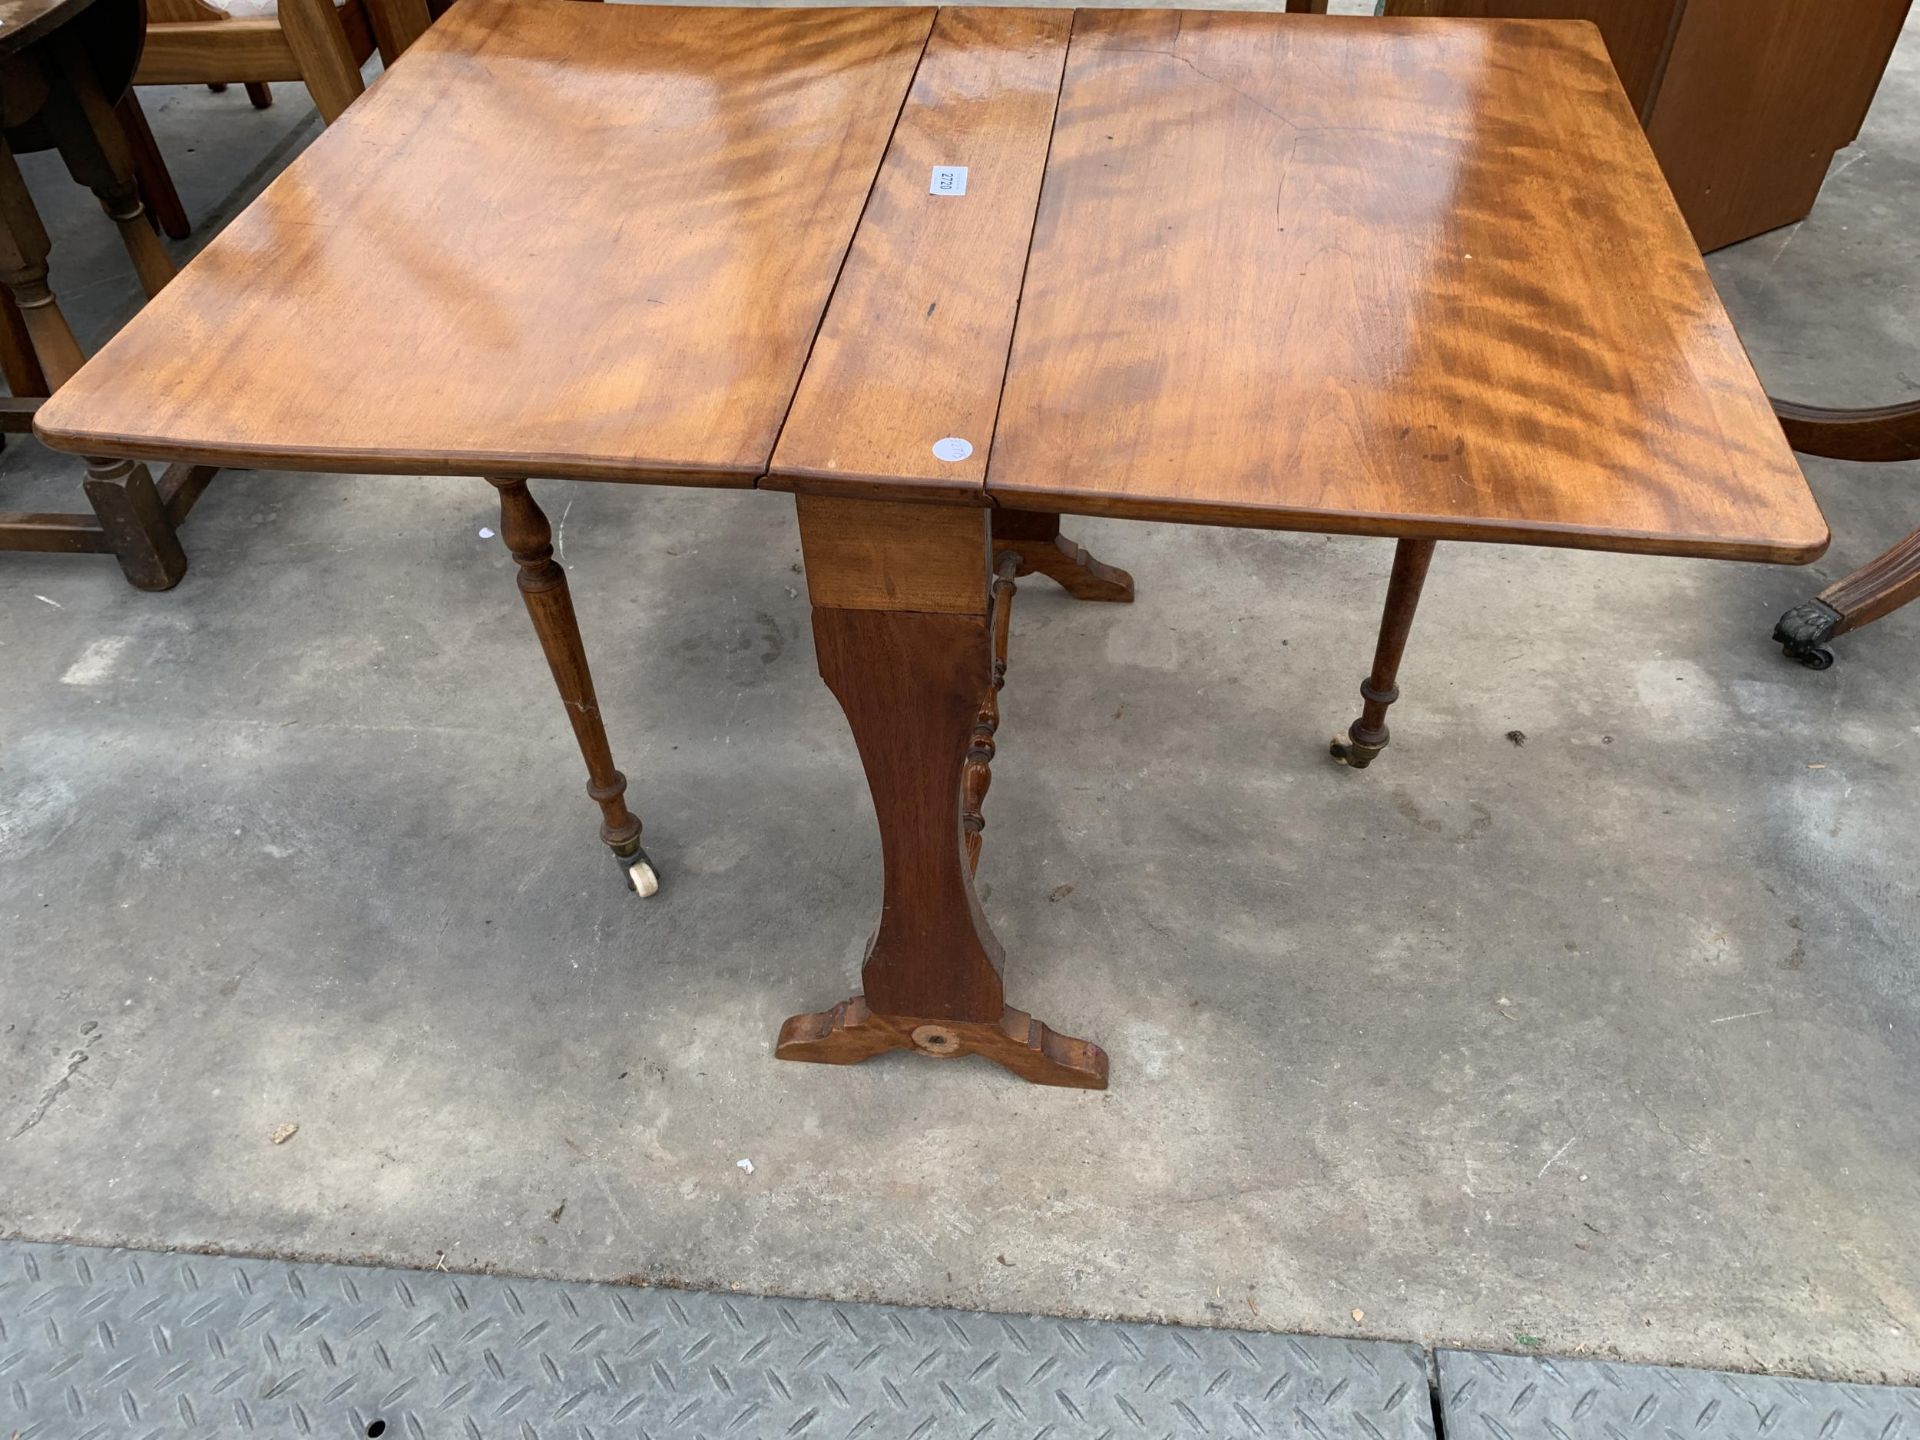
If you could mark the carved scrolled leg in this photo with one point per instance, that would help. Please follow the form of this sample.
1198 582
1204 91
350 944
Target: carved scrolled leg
1035 537
977 774
543 585
1876 589
1368 735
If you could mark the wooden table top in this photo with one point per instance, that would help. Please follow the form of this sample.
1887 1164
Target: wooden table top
1302 272
24 21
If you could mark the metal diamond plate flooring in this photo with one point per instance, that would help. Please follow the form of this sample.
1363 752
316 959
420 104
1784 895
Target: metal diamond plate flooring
1505 1397
105 1344
132 1345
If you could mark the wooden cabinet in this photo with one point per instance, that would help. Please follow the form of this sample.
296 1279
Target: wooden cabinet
1745 100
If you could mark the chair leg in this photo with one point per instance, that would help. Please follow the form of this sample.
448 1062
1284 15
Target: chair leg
99 154
150 170
1874 591
24 248
319 44
396 25
260 93
1367 736
132 515
18 364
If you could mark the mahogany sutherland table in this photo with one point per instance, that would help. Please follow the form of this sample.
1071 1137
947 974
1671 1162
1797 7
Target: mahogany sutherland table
1418 279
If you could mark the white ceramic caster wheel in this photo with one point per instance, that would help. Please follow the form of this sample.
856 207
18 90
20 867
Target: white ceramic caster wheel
645 881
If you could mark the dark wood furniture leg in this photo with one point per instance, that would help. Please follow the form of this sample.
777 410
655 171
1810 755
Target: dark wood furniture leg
543 585
131 518
1368 735
1888 434
905 643
100 155
1035 537
150 169
19 366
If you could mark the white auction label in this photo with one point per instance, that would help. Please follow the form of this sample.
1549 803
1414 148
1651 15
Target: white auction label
952 448
948 180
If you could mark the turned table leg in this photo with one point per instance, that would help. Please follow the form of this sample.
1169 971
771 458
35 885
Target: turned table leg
1035 537
543 585
901 625
1367 736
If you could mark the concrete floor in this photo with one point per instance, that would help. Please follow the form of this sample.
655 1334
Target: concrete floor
1606 1042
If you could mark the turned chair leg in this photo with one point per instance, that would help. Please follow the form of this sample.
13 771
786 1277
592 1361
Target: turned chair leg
132 515
1367 736
19 366
543 585
157 190
99 154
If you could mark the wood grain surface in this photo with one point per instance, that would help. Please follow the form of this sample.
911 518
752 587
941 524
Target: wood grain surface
24 21
1385 277
1759 94
1303 272
914 343
1638 33
894 555
556 239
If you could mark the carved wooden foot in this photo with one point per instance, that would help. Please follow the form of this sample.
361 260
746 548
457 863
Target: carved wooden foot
543 585
1368 735
1035 537
851 1032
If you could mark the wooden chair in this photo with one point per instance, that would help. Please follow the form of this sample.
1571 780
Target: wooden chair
255 42
1890 433
63 66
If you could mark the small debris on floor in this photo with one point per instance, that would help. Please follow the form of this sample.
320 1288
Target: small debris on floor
746 1165
485 533
1530 1342
283 1133
557 1211
1517 737
1358 1314
1004 1261
1060 892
